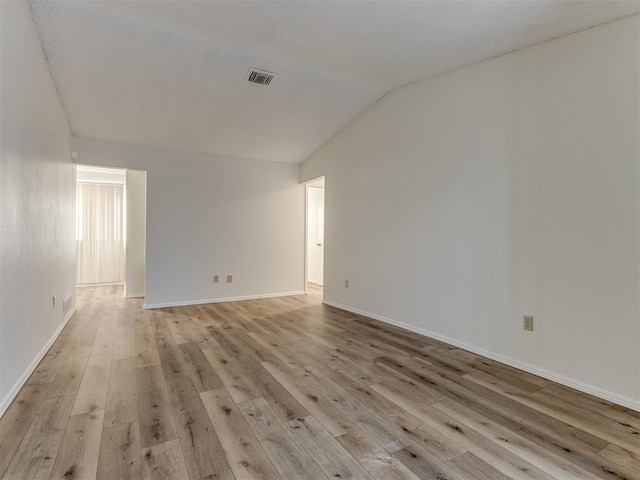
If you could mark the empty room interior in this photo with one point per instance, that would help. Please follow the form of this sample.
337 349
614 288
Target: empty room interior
364 240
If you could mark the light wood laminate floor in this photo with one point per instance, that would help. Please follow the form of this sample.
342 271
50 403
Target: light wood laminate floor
290 388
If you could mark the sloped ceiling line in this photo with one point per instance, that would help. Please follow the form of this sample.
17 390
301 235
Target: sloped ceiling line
172 74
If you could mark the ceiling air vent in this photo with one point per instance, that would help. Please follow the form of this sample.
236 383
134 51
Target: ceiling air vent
261 77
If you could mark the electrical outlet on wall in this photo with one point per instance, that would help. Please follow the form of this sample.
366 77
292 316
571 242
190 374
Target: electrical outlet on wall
346 283
527 322
229 278
216 278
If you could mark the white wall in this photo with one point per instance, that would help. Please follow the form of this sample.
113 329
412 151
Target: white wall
510 187
37 204
315 236
135 204
210 215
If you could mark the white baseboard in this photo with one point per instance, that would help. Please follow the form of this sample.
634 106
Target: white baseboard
108 284
134 295
9 397
220 300
622 400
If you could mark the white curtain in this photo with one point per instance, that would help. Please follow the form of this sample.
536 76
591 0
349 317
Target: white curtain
100 233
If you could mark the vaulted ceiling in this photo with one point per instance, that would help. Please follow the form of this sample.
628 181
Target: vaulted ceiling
174 73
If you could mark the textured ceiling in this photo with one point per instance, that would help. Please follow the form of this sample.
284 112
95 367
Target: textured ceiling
173 74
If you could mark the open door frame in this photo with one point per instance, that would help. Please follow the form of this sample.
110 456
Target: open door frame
316 183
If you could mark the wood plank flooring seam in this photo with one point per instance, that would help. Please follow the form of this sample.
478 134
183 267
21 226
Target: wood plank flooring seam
289 388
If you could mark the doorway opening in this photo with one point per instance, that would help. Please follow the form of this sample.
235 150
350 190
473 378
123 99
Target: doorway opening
111 228
315 237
